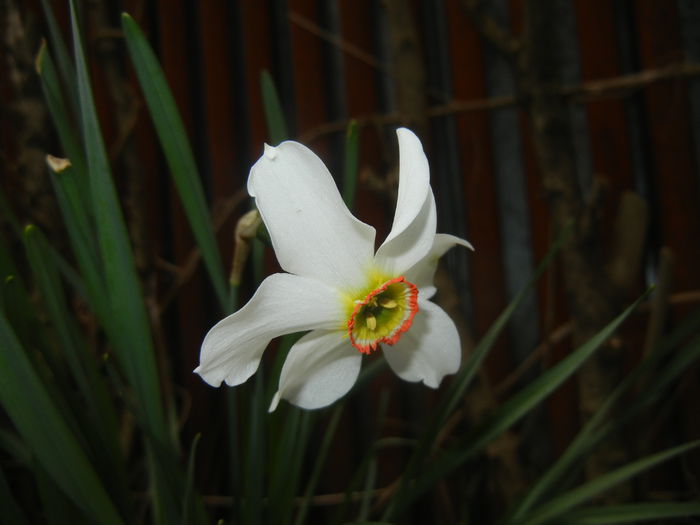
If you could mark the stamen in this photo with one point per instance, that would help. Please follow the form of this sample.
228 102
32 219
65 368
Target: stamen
371 321
387 302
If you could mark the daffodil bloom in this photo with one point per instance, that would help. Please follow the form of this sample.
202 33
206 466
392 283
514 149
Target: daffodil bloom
351 299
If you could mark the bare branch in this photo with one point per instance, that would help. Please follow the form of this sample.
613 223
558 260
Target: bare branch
490 29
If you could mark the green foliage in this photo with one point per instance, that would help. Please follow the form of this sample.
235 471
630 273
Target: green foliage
68 399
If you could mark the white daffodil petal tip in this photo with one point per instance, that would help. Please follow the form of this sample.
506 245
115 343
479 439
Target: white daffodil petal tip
270 152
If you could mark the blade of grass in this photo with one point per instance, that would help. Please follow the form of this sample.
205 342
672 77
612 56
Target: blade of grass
274 115
11 511
286 426
100 412
34 414
560 505
510 412
465 376
127 325
187 503
318 465
71 185
55 506
632 513
178 154
255 458
362 472
525 400
51 87
65 182
59 46
594 431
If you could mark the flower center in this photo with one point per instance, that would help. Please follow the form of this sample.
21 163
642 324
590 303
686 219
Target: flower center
383 315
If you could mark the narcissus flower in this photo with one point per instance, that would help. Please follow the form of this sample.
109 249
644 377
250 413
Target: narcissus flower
351 299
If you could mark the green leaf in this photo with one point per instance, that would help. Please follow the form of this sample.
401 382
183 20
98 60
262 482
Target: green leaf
255 459
596 429
67 182
464 377
318 464
51 87
466 374
11 511
511 411
539 389
178 154
558 506
127 321
631 513
274 115
59 46
37 419
100 414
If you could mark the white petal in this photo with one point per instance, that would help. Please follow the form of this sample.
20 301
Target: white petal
423 273
429 350
320 369
282 304
414 223
414 181
407 249
312 231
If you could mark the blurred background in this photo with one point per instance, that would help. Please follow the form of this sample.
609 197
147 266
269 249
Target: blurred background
533 114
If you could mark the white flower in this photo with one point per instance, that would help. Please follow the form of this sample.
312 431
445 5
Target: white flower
349 298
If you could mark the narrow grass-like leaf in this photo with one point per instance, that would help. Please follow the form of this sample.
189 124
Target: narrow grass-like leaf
11 511
66 183
71 185
285 426
9 216
178 154
631 513
328 435
350 165
301 445
186 504
370 483
595 430
61 50
558 506
255 458
51 87
34 414
465 376
47 279
511 411
530 396
274 115
127 323
100 412
55 506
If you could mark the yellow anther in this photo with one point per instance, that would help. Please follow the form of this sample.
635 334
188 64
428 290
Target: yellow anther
371 322
388 303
